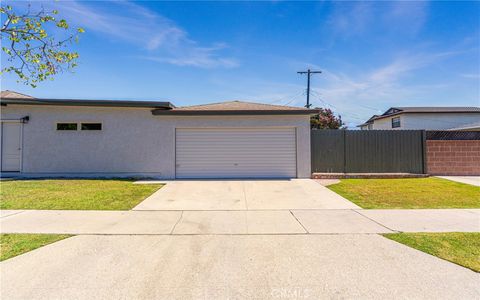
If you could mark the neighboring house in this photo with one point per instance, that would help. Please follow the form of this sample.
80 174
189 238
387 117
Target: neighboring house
428 118
475 126
61 137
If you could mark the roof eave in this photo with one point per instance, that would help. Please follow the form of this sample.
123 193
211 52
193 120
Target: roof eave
425 112
174 112
163 105
364 124
390 115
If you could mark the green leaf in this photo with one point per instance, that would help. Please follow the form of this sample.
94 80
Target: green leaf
39 54
62 24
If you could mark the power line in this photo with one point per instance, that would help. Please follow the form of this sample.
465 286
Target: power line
309 73
281 99
358 117
369 107
287 97
349 115
319 97
357 104
293 98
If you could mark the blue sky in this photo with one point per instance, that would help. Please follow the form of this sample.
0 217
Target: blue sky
373 54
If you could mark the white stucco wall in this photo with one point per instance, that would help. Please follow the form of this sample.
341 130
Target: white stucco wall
386 123
439 121
428 121
131 141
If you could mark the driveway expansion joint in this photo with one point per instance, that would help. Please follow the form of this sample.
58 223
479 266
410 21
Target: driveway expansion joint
304 228
358 212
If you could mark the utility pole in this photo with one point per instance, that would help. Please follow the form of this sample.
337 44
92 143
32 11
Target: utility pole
308 72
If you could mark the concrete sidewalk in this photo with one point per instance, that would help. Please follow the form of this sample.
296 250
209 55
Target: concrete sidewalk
341 221
472 180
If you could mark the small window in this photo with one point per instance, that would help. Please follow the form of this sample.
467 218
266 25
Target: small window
91 126
396 122
66 126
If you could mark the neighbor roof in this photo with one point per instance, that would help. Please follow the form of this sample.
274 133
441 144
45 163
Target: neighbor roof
14 95
435 109
369 121
392 111
237 108
10 97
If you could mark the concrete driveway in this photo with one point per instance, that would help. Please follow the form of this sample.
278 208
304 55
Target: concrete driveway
244 195
233 267
269 239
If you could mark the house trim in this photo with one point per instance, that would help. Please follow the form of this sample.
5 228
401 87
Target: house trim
160 112
422 112
160 105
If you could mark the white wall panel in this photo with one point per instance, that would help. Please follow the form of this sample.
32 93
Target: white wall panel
132 140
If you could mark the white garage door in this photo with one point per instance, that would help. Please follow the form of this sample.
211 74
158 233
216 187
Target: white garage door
236 153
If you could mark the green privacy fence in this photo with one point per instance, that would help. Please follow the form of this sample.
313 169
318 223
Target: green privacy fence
368 151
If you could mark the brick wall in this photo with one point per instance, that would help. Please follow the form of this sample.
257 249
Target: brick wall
453 157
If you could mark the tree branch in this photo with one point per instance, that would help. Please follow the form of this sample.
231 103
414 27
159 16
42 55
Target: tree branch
35 55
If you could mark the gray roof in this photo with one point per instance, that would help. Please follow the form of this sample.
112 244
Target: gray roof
434 109
10 97
369 121
422 109
165 108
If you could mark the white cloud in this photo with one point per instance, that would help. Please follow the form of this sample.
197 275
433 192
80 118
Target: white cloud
470 76
405 63
359 97
356 18
158 37
198 57
407 16
351 18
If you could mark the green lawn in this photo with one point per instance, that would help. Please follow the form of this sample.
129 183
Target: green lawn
73 194
408 193
15 244
462 248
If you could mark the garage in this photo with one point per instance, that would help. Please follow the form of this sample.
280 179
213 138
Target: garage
153 139
260 152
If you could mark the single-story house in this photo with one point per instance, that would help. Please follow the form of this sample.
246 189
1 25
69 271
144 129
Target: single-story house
65 137
427 118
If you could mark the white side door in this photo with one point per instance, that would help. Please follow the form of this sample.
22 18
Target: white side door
11 146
